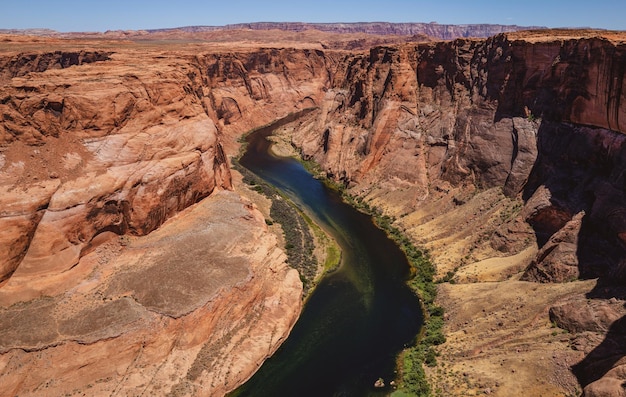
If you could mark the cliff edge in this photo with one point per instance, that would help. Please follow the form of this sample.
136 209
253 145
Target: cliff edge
503 156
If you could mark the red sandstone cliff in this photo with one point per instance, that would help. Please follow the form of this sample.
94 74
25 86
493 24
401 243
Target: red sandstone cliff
99 150
484 113
123 253
446 137
426 132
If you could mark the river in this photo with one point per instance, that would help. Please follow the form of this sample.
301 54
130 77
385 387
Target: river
359 318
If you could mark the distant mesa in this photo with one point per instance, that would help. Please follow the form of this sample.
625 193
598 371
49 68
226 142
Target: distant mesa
30 32
432 29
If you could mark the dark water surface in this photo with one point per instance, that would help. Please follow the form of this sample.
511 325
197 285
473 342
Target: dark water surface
358 318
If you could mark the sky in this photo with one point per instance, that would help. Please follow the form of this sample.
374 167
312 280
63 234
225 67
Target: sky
102 15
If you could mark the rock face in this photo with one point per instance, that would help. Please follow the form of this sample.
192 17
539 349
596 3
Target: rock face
191 309
99 150
504 153
87 153
23 64
478 101
416 130
248 89
440 120
557 260
586 179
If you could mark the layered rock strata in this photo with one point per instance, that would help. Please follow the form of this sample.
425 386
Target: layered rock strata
96 149
447 137
502 156
191 309
96 155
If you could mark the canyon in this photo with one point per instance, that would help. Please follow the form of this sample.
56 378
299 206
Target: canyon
134 261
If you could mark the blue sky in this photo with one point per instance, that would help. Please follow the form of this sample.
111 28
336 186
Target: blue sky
102 15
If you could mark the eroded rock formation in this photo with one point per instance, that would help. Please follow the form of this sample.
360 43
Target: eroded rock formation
425 132
98 151
191 309
503 156
88 151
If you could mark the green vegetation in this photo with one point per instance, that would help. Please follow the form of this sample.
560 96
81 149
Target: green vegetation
529 114
511 210
413 380
333 256
297 227
333 252
449 277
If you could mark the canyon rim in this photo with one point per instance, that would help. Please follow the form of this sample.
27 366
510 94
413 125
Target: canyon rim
134 262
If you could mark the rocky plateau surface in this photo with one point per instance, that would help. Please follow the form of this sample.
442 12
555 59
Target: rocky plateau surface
145 274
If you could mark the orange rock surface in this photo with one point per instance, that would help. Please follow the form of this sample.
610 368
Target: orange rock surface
135 269
98 152
192 308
